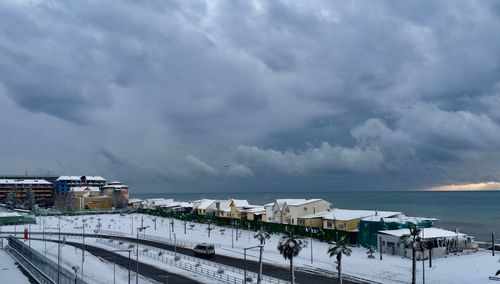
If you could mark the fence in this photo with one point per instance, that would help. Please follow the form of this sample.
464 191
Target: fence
39 266
197 268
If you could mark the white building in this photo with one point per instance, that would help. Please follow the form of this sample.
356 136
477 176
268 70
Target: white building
287 211
442 242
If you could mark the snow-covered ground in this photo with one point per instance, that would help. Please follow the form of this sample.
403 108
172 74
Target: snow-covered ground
9 271
473 268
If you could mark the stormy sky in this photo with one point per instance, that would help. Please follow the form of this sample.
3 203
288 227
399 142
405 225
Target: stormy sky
200 96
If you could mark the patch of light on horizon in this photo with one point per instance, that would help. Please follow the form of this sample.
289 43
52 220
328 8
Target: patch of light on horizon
491 185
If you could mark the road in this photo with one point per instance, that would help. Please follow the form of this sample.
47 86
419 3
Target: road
281 272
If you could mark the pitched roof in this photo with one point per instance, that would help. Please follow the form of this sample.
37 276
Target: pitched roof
240 202
205 203
347 214
426 233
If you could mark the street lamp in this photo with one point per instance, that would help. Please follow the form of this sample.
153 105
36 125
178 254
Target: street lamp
58 250
245 263
137 256
114 266
129 251
175 248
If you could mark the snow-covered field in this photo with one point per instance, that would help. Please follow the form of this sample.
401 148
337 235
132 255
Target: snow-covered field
473 268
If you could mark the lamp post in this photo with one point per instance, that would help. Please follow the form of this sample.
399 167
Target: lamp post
137 255
245 264
83 244
129 251
58 250
175 248
114 266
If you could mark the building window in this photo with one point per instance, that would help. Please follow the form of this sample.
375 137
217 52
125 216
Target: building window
329 224
341 226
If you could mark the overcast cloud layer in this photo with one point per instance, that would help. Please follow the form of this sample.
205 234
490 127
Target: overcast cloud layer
265 95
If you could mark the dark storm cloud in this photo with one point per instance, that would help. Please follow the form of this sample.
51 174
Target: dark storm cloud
212 95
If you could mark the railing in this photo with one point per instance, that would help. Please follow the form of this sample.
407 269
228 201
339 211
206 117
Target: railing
197 268
156 238
40 266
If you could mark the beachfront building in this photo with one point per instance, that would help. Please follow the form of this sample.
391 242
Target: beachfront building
65 183
348 220
223 208
119 193
287 211
42 190
370 226
442 242
233 208
205 207
255 214
89 198
136 203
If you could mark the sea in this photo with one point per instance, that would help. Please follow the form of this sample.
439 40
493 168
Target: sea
476 213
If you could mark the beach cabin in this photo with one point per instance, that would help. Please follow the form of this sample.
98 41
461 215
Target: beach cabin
442 242
206 207
348 220
136 203
256 214
237 207
223 209
287 211
370 226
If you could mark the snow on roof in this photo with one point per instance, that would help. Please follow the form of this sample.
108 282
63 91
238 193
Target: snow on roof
205 203
224 204
347 214
134 200
115 185
296 202
159 201
427 233
9 214
84 188
78 178
399 219
240 202
24 181
256 210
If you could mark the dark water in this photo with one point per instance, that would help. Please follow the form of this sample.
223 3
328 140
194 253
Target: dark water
475 213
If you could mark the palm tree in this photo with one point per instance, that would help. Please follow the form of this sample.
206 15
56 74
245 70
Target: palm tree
415 242
289 246
337 249
261 235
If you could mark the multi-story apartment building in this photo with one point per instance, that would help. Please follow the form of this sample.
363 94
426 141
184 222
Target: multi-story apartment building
65 183
42 190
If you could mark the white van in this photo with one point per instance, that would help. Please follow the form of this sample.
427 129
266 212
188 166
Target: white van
204 249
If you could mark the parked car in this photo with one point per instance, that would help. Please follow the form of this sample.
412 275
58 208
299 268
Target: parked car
204 249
